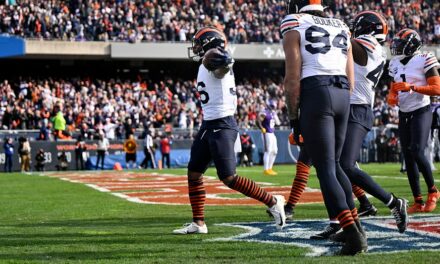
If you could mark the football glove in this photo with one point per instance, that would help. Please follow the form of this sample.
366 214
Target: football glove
217 58
401 86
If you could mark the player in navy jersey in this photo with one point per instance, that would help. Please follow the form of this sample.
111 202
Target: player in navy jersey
219 132
318 79
415 78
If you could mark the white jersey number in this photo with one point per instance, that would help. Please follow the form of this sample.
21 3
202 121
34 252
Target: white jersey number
374 75
317 35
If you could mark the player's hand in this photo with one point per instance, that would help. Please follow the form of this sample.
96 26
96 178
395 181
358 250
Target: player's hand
401 86
217 58
295 137
263 130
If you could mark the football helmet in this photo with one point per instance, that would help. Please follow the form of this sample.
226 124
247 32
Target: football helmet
297 6
370 23
406 42
205 39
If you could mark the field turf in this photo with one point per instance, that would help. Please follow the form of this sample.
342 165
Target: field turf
45 219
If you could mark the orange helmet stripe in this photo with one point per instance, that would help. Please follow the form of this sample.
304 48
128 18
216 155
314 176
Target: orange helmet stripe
381 18
406 32
315 2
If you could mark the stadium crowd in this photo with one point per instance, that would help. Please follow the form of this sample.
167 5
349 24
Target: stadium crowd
120 106
158 20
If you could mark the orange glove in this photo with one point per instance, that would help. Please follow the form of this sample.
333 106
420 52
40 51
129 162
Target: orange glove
432 89
292 140
401 86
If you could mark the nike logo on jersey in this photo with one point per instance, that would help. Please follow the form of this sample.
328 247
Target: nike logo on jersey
216 130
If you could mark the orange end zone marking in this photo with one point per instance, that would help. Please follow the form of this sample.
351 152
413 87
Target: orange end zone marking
172 189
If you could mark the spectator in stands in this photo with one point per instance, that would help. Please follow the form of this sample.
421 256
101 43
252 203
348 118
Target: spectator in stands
165 150
101 149
393 148
80 149
149 150
130 148
59 123
24 150
9 152
40 160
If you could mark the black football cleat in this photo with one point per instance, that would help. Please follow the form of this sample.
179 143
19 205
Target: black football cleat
340 237
355 243
400 214
367 210
329 230
289 212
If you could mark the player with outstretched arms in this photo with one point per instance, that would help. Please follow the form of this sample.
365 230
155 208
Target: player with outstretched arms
217 136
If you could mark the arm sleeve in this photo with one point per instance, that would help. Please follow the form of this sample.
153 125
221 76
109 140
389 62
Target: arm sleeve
290 22
430 62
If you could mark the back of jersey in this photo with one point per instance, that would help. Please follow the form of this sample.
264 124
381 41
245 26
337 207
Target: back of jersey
324 43
367 77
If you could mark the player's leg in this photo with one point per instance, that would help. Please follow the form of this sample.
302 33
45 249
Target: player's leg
273 152
420 129
410 163
318 104
200 158
266 155
356 132
221 144
299 183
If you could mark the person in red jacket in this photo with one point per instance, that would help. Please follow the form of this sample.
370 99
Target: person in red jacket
165 149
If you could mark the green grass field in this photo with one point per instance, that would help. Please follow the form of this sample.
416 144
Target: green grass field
45 219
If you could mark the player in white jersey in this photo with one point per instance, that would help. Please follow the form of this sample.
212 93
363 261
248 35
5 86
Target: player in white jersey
218 133
416 78
369 31
319 66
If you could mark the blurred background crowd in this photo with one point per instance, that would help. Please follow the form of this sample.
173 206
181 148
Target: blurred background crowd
158 20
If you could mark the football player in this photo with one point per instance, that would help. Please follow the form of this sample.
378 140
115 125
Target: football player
319 66
217 135
267 121
415 78
369 32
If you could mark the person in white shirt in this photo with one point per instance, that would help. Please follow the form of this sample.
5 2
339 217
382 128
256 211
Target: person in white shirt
101 149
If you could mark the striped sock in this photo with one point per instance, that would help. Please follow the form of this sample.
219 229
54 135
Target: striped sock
299 183
251 189
358 192
345 219
197 196
354 214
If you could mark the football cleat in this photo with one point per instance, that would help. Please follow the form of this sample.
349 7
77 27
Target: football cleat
367 210
354 244
273 172
329 230
431 203
269 173
400 214
277 211
191 228
288 210
416 208
340 236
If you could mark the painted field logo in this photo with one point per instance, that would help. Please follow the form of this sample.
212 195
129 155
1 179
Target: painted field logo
423 234
152 188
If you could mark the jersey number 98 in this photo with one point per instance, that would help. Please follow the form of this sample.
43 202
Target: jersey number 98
321 38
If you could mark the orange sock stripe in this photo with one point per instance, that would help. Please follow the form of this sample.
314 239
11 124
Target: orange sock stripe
355 215
251 189
197 197
418 198
358 192
345 218
299 183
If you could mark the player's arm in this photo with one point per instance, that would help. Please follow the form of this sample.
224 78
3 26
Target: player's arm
260 120
350 68
359 53
433 80
292 77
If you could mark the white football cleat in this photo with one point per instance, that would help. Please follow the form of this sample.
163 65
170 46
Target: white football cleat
191 228
277 211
